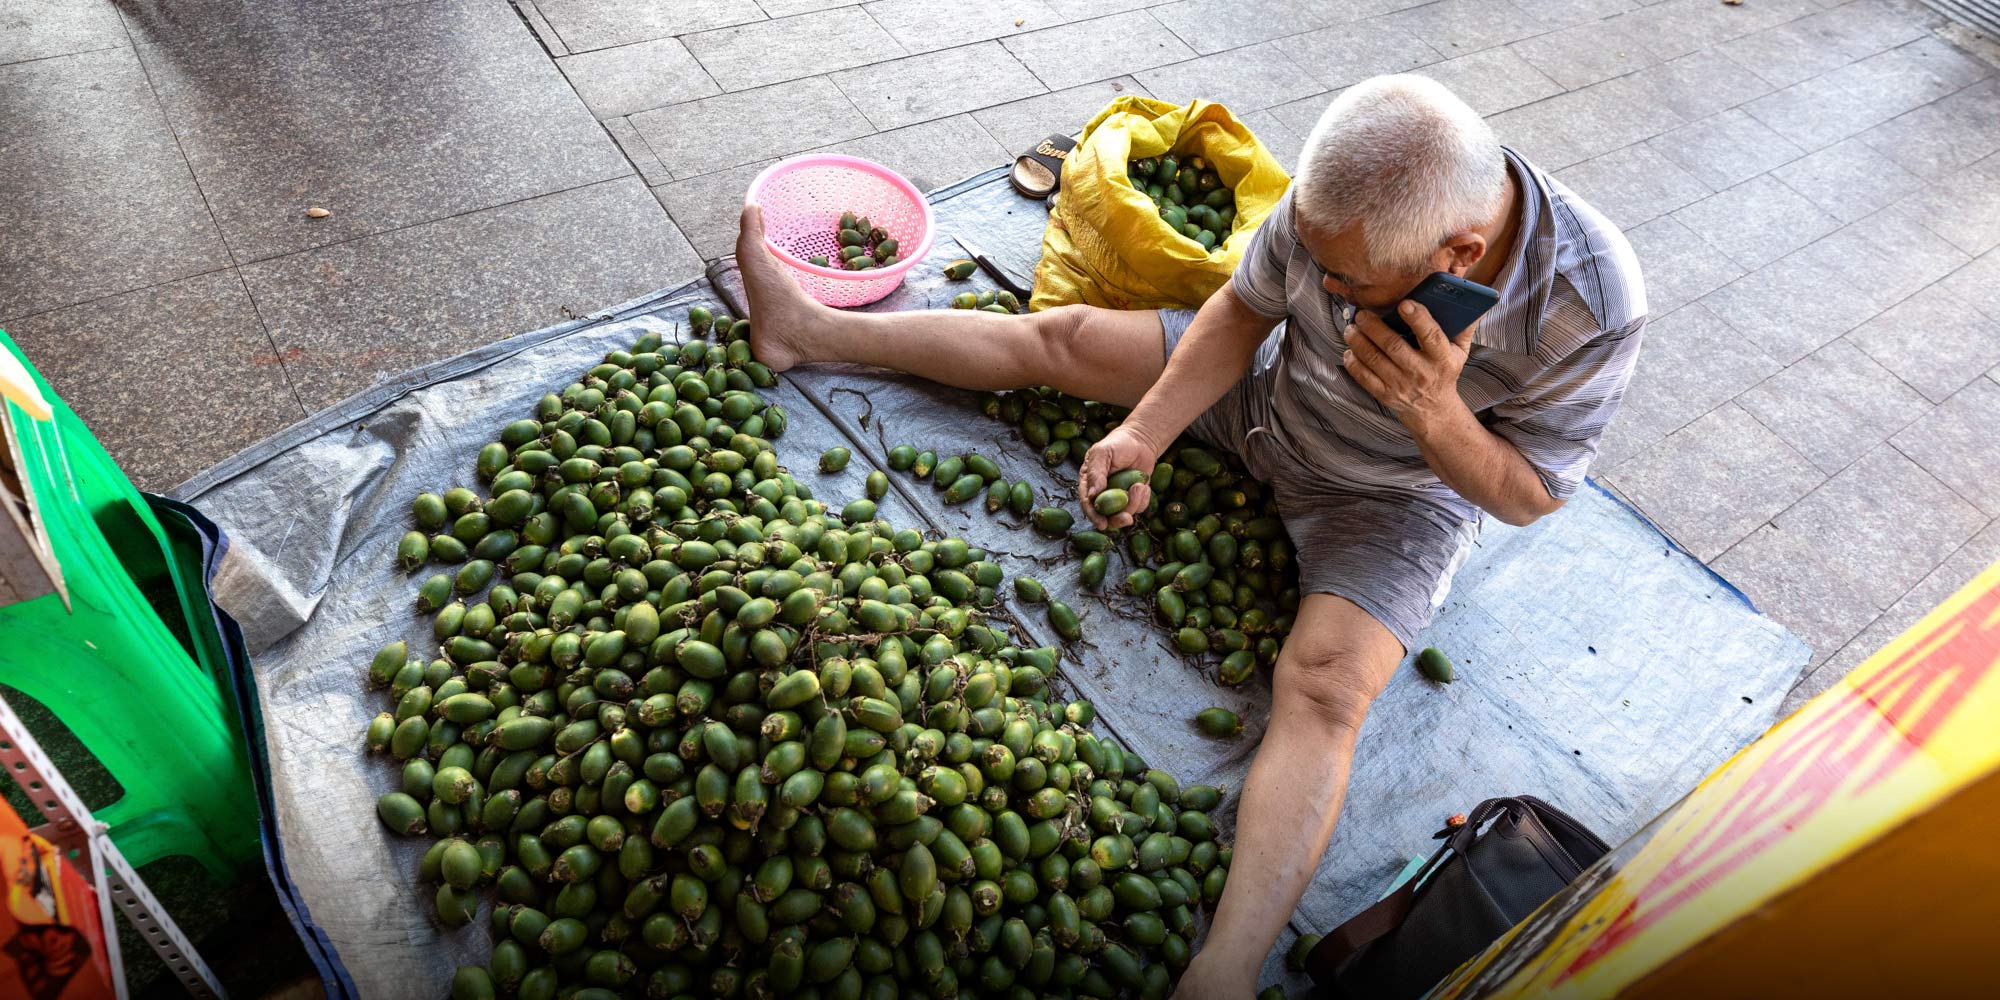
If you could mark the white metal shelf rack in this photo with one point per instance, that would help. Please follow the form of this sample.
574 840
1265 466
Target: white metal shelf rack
71 827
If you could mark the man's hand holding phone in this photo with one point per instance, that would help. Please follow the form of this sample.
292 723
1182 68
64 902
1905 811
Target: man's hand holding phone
1417 384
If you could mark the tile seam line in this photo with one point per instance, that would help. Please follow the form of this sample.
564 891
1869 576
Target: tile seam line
285 369
605 125
455 215
1147 12
655 153
988 133
38 313
235 269
1962 498
834 79
31 60
540 42
1954 92
1773 519
187 164
886 33
901 52
568 48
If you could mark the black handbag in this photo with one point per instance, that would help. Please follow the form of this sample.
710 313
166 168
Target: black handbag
1507 858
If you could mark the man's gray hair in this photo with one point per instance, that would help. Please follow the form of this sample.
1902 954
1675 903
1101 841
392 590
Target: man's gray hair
1407 159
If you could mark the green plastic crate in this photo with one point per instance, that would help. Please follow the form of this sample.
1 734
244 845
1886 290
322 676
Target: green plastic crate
132 666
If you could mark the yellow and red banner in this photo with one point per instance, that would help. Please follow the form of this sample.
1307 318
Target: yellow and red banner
51 941
1850 850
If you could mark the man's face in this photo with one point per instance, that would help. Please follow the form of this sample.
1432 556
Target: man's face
1343 256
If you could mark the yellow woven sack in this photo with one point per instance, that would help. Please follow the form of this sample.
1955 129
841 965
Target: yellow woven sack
1106 244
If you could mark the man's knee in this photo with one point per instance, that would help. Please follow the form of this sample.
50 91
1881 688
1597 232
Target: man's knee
1059 333
1332 682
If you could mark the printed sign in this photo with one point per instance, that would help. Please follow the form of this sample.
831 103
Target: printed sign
1902 733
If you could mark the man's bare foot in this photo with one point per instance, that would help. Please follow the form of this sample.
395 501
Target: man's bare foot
782 316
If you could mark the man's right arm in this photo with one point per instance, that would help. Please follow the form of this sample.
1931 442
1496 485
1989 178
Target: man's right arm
1214 353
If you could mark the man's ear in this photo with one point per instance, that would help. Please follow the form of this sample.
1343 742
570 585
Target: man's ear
1461 250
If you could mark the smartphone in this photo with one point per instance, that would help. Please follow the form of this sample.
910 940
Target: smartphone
1454 302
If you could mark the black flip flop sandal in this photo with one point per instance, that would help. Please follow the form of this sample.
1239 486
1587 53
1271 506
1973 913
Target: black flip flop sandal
1038 172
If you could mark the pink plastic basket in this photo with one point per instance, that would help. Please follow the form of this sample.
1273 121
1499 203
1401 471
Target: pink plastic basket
803 198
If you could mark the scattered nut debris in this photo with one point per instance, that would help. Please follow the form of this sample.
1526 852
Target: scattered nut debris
317 212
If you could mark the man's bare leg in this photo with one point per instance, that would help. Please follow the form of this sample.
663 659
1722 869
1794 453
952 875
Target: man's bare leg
1337 659
1104 354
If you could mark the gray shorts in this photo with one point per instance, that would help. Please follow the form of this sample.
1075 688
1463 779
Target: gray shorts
1392 554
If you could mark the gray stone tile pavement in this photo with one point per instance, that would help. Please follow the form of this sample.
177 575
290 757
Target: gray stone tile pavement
216 22
1785 575
719 132
1247 79
1020 124
1695 361
38 30
1883 522
931 154
649 74
1812 188
1726 148
706 207
1679 268
1956 443
937 84
1097 49
406 115
346 315
95 196
1574 126
1954 572
1757 221
788 48
1716 479
1964 208
1494 80
168 410
1346 54
925 25
1834 405
1849 179
1699 84
1934 341
1634 185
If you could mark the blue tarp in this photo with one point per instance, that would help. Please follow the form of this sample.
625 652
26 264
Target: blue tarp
1599 667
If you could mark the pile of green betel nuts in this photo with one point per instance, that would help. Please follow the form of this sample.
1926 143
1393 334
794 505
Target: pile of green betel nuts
863 246
699 735
1191 197
1209 555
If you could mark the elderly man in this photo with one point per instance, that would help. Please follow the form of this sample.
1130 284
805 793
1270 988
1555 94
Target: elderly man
1383 456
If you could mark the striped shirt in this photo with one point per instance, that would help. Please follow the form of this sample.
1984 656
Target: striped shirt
1547 368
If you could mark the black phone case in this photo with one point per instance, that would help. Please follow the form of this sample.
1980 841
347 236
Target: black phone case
1454 302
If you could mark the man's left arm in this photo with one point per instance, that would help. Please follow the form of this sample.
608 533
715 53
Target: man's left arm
1488 467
